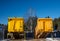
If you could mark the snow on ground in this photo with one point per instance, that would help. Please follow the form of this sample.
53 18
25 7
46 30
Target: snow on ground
52 39
47 39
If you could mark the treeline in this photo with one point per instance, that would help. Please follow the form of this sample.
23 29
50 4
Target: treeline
2 24
57 21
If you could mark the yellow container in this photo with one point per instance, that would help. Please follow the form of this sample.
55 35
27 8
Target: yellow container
15 25
44 25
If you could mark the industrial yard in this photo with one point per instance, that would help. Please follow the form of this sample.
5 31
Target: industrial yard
29 20
32 29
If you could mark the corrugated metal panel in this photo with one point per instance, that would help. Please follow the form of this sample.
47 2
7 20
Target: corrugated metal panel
15 25
43 25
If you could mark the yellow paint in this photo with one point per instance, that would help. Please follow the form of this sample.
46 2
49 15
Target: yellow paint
15 24
44 25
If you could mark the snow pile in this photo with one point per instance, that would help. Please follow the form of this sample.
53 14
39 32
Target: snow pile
5 40
51 39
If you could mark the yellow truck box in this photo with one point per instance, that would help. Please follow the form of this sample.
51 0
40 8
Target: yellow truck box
44 25
15 24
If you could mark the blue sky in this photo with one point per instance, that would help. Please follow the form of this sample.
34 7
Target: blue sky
18 8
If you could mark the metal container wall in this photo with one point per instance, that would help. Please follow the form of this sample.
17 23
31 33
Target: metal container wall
15 25
43 25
